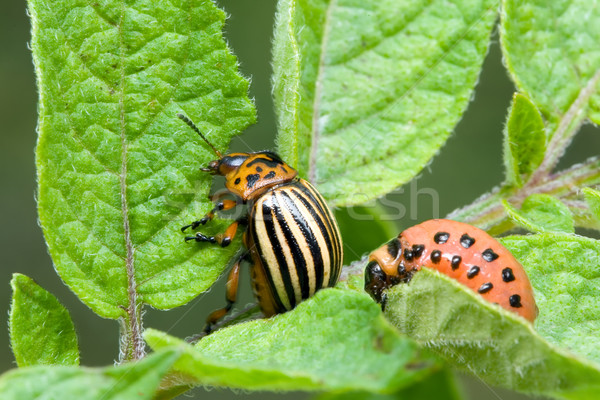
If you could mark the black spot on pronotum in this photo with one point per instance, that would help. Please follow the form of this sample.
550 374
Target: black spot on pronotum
270 175
486 287
252 178
408 255
472 272
436 256
441 237
467 241
489 255
417 249
265 161
455 263
393 247
515 301
237 181
507 275
258 169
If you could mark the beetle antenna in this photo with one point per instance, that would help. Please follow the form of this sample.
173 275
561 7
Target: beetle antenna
191 125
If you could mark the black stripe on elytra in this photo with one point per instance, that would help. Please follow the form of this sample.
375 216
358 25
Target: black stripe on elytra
322 207
335 236
319 272
294 247
259 244
273 241
309 236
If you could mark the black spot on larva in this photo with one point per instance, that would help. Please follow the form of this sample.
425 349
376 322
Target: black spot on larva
515 301
507 275
417 250
401 269
252 178
408 255
455 263
238 180
486 287
472 272
270 175
489 255
258 169
436 256
467 241
283 168
393 247
441 237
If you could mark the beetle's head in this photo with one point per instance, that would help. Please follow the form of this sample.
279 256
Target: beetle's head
226 164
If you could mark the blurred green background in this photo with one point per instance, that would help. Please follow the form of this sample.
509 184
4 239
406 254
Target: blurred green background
474 150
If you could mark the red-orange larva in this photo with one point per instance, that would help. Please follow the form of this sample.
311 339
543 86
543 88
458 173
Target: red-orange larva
459 250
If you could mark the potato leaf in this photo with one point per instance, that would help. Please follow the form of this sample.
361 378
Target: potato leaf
367 92
337 340
136 380
542 213
118 172
41 329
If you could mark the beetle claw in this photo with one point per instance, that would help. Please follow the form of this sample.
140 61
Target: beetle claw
200 237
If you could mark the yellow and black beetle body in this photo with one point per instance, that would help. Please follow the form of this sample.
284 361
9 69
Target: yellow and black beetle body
292 240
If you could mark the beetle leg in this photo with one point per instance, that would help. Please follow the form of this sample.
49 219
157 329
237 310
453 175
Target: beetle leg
231 289
224 239
220 206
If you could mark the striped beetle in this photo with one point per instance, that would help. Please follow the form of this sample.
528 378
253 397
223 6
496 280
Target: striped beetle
292 240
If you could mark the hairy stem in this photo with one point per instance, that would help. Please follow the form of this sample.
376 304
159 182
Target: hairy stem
488 212
132 343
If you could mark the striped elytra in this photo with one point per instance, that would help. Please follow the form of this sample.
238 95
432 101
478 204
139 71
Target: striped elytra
297 244
461 251
291 238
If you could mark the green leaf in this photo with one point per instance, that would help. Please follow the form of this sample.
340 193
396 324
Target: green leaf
542 213
524 140
439 385
336 340
355 221
41 330
118 172
494 344
592 198
286 81
130 381
552 51
564 270
367 92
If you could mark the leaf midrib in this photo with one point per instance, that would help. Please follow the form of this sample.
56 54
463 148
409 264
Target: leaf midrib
134 343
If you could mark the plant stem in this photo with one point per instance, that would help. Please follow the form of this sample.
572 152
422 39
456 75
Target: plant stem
488 213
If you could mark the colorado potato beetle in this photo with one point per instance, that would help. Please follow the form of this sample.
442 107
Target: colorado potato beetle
461 251
291 240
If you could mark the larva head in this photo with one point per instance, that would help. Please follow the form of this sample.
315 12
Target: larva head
386 268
